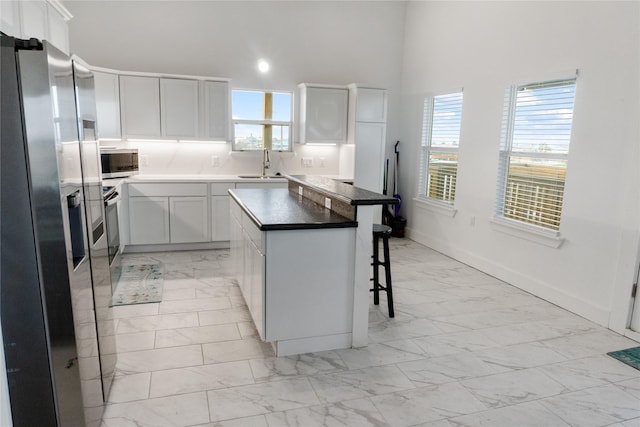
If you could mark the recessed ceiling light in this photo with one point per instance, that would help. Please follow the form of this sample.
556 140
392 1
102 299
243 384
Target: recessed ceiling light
263 66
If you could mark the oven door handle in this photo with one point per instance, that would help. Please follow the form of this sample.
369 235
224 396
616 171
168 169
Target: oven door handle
115 198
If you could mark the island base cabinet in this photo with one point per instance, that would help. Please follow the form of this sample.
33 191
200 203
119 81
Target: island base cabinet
309 288
297 284
254 285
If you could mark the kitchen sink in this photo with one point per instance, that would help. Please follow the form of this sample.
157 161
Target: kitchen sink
260 177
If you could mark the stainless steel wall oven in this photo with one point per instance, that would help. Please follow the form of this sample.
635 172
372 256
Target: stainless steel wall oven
111 201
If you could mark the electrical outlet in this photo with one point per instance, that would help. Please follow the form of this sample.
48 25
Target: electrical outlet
144 160
472 221
321 162
307 162
327 203
215 161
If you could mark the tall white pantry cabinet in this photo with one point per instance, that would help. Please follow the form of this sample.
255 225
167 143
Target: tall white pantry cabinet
368 127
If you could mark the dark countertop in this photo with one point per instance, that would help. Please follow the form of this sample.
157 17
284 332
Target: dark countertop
279 209
352 195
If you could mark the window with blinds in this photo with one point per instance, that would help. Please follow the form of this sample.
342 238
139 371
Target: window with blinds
536 132
440 141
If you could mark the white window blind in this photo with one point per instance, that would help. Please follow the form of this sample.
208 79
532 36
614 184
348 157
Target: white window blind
536 134
440 140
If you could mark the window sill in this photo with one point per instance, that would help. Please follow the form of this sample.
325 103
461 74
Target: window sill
532 233
435 206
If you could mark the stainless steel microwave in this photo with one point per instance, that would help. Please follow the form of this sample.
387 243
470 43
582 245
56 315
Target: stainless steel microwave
119 162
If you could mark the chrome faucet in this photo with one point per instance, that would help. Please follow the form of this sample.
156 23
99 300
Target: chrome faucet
265 161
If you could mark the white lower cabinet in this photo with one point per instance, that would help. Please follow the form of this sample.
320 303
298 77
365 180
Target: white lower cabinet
188 219
177 212
220 205
168 213
149 220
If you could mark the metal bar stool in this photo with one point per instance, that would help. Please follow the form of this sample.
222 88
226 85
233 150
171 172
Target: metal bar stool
382 232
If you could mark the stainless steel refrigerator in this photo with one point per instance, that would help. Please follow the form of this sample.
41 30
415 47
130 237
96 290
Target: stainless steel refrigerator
96 225
47 308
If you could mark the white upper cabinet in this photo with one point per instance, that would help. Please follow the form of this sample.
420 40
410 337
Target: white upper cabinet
58 30
163 107
140 106
323 114
107 91
179 107
367 120
34 19
216 120
10 18
43 20
371 105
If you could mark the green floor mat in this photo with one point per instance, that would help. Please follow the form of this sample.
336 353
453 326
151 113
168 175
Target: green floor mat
630 356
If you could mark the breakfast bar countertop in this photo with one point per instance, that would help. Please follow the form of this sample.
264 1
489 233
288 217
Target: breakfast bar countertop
279 209
350 194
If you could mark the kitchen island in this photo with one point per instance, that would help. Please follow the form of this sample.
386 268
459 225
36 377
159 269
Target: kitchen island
302 260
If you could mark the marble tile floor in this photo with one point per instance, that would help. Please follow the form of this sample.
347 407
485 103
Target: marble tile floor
464 349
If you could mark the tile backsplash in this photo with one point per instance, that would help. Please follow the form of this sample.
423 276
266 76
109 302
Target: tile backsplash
196 158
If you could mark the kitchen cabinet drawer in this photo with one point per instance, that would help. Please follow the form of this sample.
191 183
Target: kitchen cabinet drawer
222 188
271 184
167 189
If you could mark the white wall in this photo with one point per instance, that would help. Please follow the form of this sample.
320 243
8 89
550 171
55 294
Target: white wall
316 42
485 46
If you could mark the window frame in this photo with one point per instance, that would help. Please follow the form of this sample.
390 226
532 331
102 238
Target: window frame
267 123
445 206
536 229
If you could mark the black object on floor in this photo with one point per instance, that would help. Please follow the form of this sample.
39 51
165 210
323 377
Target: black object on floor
382 232
630 356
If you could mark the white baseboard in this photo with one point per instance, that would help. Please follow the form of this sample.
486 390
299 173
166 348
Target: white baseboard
569 302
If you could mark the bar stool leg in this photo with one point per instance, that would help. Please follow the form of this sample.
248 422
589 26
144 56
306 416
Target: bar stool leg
376 276
387 273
